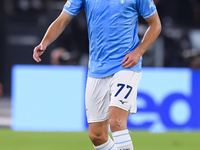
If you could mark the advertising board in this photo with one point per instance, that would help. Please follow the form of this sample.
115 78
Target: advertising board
49 98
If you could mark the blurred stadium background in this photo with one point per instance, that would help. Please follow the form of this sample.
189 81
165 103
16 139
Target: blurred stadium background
50 96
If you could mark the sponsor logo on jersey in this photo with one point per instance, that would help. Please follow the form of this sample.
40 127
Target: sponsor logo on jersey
122 1
152 4
68 3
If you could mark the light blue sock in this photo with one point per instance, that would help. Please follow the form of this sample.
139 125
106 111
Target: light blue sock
122 140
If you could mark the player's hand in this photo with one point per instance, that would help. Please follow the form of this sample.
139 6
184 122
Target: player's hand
38 51
131 59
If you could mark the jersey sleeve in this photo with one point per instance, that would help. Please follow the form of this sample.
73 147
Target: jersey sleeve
73 7
146 8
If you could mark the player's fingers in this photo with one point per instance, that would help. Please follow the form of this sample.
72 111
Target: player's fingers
128 65
125 64
36 57
37 51
125 59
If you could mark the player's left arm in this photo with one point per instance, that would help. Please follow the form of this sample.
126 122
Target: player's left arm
154 29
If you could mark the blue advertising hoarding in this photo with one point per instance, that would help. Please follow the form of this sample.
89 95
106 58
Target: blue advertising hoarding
49 98
168 99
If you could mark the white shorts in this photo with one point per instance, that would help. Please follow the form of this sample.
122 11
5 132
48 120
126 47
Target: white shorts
119 90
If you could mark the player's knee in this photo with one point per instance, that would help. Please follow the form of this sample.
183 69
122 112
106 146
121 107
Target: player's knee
116 124
98 138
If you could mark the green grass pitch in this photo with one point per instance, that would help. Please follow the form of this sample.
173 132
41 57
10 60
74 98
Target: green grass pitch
10 140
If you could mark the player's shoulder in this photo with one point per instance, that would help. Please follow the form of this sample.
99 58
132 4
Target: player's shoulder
144 1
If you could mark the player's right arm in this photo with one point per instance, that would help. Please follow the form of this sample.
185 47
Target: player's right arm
54 30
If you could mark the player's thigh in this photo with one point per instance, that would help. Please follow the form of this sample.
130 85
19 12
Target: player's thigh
97 99
124 86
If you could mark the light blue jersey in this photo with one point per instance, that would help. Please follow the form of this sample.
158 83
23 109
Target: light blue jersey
112 31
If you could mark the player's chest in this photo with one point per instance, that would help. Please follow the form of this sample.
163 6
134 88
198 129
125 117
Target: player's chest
110 5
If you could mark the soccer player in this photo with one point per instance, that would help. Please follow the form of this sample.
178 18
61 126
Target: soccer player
115 61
